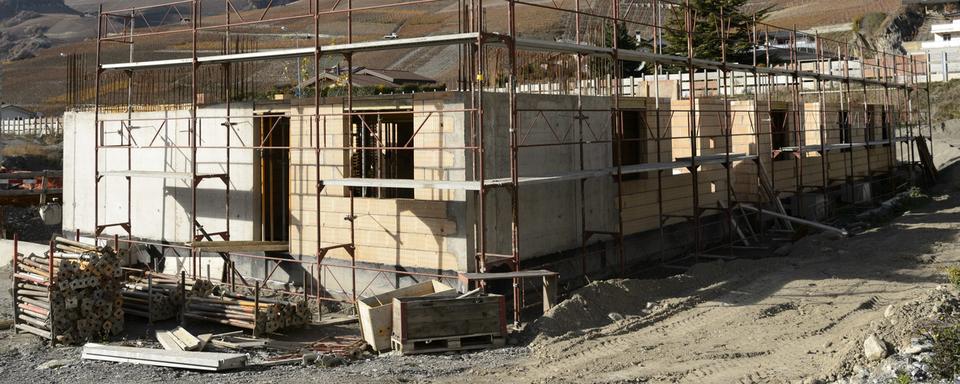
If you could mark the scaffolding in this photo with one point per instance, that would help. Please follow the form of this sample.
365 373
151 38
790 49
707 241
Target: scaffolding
842 83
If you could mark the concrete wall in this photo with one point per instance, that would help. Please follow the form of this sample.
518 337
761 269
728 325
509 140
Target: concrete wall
550 219
436 230
159 207
428 232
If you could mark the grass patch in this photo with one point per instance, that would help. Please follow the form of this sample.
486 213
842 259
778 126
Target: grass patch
953 275
871 22
27 149
943 98
945 359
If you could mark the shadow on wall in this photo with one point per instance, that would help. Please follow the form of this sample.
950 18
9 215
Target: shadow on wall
750 282
211 203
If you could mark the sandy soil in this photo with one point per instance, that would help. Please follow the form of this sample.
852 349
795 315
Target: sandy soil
773 320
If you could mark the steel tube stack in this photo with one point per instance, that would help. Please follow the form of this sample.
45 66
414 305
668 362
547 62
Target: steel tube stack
69 296
156 296
257 314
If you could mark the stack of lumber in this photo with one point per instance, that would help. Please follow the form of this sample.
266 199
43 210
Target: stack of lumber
259 315
156 296
70 296
179 339
201 361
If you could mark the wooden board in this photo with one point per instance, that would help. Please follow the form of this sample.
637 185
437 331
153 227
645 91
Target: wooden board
168 341
241 246
447 344
420 318
376 312
204 361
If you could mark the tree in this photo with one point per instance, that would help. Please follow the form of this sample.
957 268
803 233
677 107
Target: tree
706 15
626 41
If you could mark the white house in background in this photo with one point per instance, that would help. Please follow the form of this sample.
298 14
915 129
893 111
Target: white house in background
13 112
944 36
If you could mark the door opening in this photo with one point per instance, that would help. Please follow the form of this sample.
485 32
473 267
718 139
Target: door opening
274 134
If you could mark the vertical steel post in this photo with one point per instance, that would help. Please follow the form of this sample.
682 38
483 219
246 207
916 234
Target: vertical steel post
150 299
51 286
193 140
618 131
824 152
726 129
657 68
319 141
692 132
97 127
16 270
514 163
477 100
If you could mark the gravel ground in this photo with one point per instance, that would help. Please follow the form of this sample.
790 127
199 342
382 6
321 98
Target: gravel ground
22 354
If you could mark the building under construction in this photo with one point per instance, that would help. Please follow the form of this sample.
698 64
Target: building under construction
567 153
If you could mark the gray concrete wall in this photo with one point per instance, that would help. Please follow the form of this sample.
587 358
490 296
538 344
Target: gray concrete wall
160 206
550 219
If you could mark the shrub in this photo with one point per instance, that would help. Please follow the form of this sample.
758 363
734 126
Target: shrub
25 149
953 274
945 359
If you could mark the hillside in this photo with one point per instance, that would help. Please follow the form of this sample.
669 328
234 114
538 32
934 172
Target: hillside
810 14
37 39
9 8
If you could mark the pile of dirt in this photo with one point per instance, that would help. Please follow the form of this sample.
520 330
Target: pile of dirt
601 303
903 331
27 223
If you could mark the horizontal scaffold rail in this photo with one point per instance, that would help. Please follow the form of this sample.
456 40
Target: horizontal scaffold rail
467 38
681 163
640 56
293 53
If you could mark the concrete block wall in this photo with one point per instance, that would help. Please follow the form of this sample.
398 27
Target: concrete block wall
428 232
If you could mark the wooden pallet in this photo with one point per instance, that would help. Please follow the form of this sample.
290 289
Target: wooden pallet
447 344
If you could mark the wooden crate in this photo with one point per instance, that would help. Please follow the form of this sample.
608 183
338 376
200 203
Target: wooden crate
424 325
376 312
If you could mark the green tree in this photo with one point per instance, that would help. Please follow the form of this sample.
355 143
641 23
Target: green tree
707 38
627 41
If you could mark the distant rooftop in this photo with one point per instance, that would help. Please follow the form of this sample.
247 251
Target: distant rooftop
365 77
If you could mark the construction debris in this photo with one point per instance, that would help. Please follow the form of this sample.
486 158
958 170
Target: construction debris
237 341
376 312
179 339
204 361
54 364
797 220
428 325
326 353
69 296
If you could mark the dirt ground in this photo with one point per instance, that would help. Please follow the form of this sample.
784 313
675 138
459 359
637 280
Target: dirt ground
799 318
